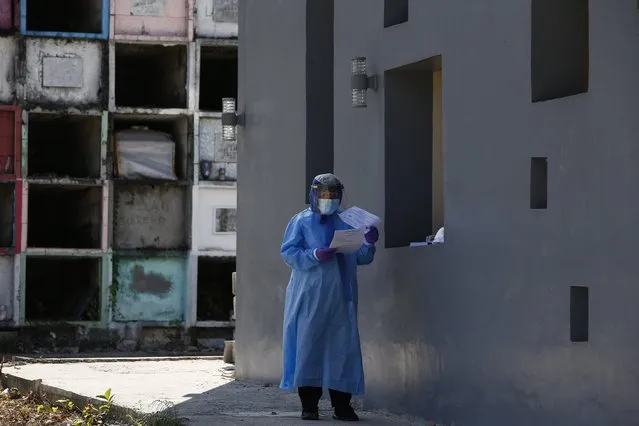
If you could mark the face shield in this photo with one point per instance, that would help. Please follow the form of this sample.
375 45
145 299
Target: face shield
326 194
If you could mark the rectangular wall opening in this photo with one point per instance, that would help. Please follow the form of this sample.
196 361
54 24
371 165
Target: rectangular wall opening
215 288
7 214
68 216
413 152
55 294
538 183
218 76
64 146
150 76
319 89
559 49
579 314
395 12
74 16
151 217
151 147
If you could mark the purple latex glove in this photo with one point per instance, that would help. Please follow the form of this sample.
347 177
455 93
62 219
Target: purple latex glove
325 254
372 235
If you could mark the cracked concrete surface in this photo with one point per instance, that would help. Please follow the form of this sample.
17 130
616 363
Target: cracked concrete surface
202 391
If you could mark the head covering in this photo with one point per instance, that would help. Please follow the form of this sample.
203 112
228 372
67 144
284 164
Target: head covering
326 194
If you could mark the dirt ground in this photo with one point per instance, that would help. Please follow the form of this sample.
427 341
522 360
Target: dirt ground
31 410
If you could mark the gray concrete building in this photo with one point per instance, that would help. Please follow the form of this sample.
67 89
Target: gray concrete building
512 122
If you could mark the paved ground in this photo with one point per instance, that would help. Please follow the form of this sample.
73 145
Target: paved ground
202 390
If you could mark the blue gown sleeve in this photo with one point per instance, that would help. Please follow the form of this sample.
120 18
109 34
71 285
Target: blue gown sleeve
293 250
366 254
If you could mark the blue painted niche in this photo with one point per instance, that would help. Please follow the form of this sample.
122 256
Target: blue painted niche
149 288
67 19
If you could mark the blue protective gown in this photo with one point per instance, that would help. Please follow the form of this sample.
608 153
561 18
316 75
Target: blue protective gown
321 345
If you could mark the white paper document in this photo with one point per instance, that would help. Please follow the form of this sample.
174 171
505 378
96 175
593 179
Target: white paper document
348 241
359 218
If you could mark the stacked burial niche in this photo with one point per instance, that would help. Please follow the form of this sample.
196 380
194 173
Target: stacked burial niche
151 147
71 16
64 193
150 189
62 288
64 212
215 288
64 146
218 75
151 76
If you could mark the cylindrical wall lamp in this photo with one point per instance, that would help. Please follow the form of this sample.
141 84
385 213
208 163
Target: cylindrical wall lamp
361 82
230 119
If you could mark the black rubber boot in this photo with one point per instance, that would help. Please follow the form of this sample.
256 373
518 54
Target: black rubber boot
345 414
310 415
310 396
341 402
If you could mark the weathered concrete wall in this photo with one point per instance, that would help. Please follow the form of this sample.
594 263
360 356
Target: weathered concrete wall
475 331
150 216
216 18
61 72
7 264
8 47
165 18
214 228
212 147
149 288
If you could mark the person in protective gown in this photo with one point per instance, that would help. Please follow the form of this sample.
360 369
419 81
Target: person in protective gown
321 345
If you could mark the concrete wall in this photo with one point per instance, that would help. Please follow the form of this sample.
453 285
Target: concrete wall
216 18
271 169
475 331
61 72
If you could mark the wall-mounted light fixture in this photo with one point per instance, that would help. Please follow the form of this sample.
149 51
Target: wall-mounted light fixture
361 82
230 119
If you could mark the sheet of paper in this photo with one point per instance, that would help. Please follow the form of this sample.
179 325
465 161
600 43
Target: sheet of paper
359 218
348 241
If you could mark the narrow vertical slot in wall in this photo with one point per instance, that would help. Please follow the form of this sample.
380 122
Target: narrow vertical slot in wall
413 154
319 89
579 314
538 183
395 12
438 152
559 49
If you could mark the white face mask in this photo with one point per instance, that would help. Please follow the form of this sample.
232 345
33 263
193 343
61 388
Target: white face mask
327 207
